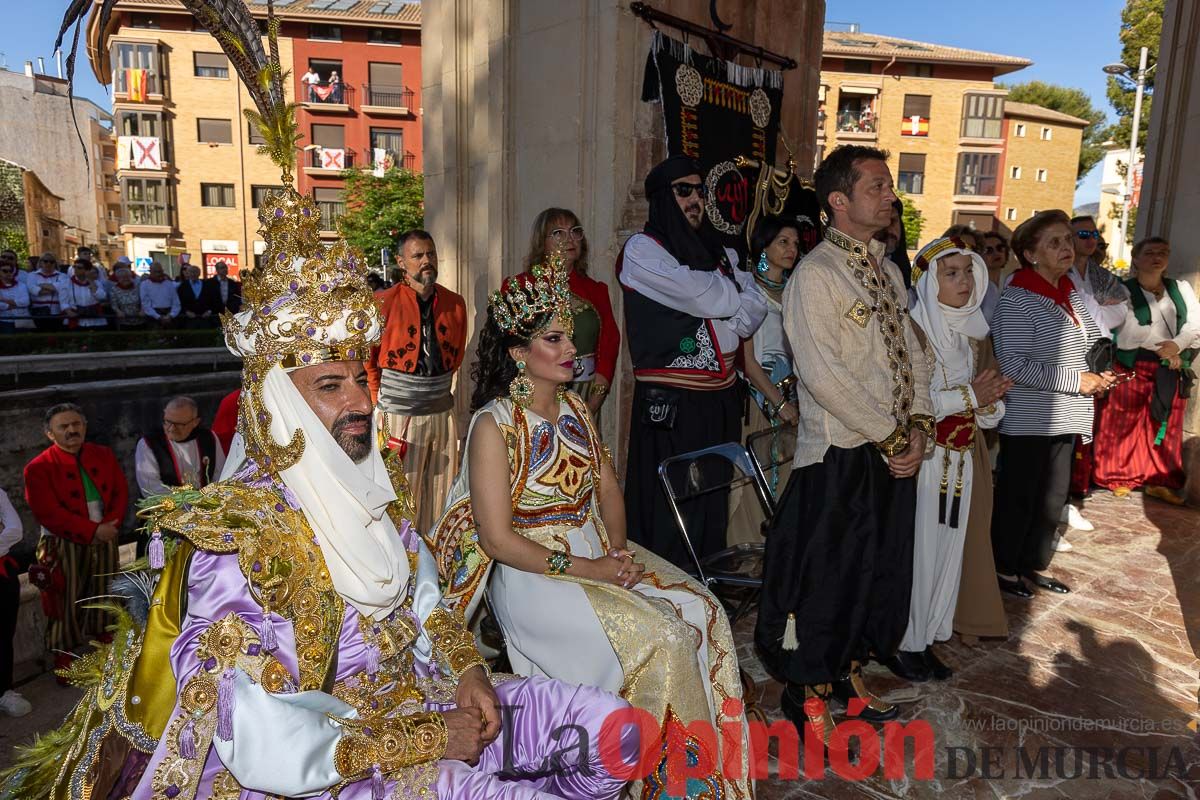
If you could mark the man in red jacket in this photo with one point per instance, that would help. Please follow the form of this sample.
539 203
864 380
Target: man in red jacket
78 494
411 372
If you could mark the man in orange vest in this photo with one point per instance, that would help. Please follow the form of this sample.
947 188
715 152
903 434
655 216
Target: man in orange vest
411 373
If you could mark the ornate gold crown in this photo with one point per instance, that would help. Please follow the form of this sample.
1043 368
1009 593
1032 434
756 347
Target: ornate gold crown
305 305
519 306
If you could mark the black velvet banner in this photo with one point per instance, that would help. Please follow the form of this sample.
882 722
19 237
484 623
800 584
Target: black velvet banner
716 111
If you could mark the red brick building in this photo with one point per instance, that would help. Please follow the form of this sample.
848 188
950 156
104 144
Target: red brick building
363 104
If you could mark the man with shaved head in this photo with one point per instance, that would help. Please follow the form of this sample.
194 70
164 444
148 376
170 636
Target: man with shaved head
181 453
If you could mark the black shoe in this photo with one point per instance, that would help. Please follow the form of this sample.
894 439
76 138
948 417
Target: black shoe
1016 587
937 668
1049 584
875 710
910 666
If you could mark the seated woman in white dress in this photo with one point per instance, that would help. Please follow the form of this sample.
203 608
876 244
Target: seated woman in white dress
573 601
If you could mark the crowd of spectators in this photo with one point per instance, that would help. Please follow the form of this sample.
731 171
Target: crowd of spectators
84 295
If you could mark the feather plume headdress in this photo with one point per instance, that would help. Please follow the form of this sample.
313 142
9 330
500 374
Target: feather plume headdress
305 305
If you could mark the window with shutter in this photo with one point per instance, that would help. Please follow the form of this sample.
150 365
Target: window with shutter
332 136
916 115
983 116
216 195
210 65
977 174
219 131
911 177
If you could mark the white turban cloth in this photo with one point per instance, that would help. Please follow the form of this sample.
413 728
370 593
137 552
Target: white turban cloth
949 330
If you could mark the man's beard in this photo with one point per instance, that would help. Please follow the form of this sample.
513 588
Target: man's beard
356 445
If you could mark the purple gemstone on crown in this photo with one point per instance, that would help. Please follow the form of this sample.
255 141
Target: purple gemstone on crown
278 213
310 331
306 358
210 662
307 211
256 566
361 324
172 791
293 286
324 287
282 257
254 649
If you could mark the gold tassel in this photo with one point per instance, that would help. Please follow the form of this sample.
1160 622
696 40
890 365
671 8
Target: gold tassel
790 642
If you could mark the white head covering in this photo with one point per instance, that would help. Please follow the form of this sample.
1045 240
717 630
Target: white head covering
949 330
345 503
306 306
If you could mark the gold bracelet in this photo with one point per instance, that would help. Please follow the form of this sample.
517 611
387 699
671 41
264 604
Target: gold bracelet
896 442
390 744
453 644
922 422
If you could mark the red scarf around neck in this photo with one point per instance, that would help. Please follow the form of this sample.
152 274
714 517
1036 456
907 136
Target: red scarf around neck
1030 280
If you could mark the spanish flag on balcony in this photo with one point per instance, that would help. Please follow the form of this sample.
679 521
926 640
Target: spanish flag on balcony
915 126
136 80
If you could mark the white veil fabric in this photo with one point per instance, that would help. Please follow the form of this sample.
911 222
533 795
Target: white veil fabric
949 330
345 503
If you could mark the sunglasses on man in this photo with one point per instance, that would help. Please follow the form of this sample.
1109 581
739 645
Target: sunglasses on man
1085 235
995 248
685 190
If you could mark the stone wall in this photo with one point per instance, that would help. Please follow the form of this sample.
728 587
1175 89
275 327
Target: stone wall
538 103
118 410
1170 197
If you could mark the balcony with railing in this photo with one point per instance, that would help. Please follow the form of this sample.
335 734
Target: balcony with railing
327 97
329 161
392 159
383 100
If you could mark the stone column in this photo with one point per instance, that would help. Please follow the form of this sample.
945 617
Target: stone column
1170 198
532 103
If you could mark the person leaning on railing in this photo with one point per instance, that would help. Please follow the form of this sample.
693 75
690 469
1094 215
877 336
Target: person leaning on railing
160 297
49 294
87 298
125 297
14 298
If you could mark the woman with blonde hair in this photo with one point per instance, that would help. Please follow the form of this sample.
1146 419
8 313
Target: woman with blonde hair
597 337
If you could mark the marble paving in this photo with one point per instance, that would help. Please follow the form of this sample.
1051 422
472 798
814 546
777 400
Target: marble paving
1110 671
1112 666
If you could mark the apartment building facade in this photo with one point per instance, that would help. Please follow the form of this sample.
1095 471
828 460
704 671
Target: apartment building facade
38 132
1041 161
943 119
191 178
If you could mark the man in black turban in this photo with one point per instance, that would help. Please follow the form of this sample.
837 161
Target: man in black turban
687 307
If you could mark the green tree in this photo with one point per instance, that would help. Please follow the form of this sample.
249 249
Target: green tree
912 220
1141 26
1071 101
379 209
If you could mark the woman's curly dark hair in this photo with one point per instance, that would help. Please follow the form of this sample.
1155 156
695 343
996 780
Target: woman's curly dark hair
494 369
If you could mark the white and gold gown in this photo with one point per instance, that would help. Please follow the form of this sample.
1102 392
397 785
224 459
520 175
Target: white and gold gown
663 645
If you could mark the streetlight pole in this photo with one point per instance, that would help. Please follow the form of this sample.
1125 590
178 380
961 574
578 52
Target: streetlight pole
1133 149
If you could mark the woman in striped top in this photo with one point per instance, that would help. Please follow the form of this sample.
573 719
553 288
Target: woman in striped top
1042 334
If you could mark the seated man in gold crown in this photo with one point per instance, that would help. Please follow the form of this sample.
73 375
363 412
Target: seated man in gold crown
288 637
295 642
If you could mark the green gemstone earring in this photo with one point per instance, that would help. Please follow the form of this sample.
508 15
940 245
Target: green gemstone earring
520 390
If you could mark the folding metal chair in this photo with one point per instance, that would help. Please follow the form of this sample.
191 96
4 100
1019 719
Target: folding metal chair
771 451
722 468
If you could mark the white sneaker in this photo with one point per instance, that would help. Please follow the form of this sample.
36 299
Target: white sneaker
14 705
1063 545
1075 520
